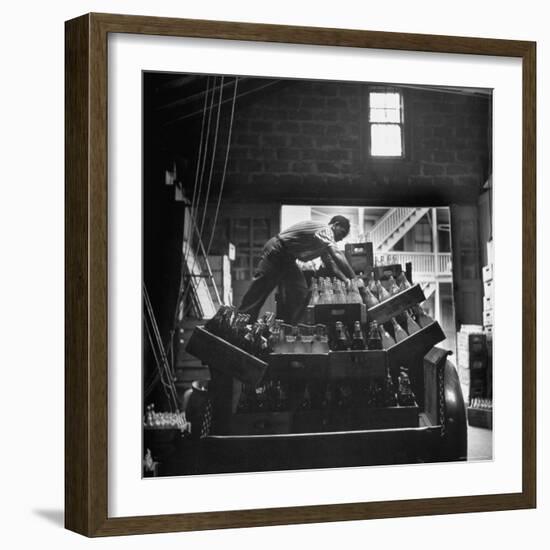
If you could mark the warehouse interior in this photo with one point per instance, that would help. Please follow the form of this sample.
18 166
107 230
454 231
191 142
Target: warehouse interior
228 162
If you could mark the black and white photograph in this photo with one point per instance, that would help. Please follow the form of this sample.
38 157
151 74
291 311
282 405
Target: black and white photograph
317 274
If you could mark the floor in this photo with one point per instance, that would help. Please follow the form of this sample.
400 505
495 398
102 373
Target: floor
480 440
480 443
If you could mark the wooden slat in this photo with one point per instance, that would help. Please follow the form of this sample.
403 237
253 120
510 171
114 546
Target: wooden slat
328 314
298 365
395 305
416 345
357 364
225 357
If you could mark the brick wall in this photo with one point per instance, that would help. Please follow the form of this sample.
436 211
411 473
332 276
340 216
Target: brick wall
304 141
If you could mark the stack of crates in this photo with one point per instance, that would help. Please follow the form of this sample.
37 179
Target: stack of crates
488 315
488 300
472 360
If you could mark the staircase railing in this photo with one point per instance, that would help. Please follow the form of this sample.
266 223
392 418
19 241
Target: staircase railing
422 262
387 224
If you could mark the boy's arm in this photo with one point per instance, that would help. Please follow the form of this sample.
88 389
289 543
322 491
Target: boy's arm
335 260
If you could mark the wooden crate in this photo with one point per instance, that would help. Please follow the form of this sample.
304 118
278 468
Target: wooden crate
357 418
298 365
335 365
416 345
225 357
481 418
382 313
360 257
328 314
357 364
261 423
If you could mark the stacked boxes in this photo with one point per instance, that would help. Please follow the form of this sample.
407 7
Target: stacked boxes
488 314
487 273
472 360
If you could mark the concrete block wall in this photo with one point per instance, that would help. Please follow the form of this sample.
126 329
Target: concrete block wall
305 139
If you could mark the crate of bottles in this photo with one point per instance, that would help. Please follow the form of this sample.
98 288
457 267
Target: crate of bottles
346 313
352 364
395 304
415 344
480 412
348 404
225 357
298 365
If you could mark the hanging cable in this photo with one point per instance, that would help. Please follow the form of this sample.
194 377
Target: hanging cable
230 131
207 195
193 213
200 231
179 119
163 361
164 373
212 160
191 208
158 363
207 141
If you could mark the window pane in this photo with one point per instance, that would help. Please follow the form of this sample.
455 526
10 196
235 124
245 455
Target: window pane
383 100
385 140
241 232
385 115
261 230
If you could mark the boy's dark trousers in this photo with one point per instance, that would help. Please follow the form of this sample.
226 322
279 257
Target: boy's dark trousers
277 267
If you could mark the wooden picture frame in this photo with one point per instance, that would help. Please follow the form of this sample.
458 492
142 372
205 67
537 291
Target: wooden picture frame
86 283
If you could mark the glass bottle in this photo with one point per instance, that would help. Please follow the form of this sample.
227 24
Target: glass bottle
314 298
355 292
340 341
371 284
275 336
337 297
374 341
387 340
383 294
320 341
405 395
357 342
287 339
370 299
390 399
393 288
412 325
398 331
299 345
403 282
248 340
422 319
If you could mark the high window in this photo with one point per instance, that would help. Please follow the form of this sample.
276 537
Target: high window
385 112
